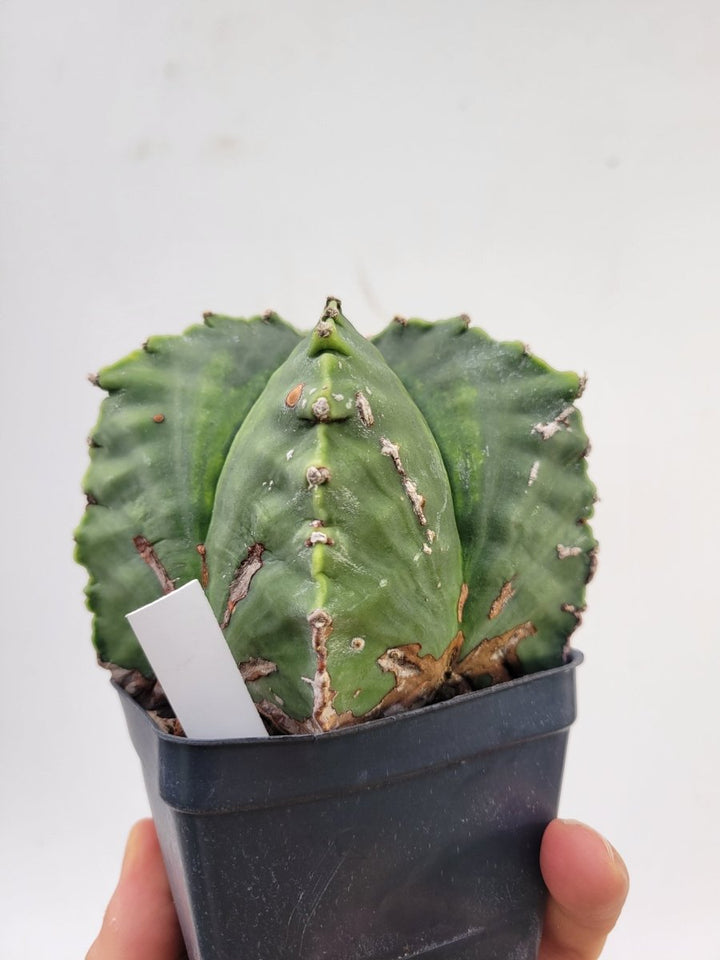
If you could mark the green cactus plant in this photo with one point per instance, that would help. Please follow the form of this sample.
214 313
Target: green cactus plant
377 525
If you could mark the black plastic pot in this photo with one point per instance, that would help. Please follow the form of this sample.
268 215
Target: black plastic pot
413 836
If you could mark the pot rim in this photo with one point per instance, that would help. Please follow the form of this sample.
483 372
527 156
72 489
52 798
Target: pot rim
574 659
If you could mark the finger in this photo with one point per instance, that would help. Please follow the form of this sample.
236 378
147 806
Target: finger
588 884
140 921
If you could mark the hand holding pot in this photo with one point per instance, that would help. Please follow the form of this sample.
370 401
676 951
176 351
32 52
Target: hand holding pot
587 879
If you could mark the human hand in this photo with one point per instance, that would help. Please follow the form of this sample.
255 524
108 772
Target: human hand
140 922
587 880
588 884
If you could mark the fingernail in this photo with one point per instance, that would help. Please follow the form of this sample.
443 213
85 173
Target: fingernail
610 849
132 849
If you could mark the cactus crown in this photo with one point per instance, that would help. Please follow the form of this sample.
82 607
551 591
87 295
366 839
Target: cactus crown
376 524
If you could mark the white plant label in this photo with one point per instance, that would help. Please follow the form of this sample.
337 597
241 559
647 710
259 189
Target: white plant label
191 659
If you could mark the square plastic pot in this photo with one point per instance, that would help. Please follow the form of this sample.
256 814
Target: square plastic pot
413 836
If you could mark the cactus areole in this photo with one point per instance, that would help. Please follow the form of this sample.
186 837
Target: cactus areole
377 524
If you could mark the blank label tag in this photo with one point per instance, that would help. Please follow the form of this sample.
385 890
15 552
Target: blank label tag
191 659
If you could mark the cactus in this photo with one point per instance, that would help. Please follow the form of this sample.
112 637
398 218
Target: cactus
377 525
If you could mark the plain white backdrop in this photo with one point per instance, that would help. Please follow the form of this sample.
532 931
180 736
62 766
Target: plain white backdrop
550 168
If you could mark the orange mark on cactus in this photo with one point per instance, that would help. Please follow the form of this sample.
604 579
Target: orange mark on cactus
204 572
461 601
291 400
507 592
159 417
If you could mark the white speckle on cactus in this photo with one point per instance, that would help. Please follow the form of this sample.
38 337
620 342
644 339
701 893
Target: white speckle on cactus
565 552
338 396
289 455
392 450
364 410
383 582
427 549
547 430
318 537
533 473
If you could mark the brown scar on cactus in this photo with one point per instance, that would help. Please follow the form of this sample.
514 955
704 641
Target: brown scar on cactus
321 625
417 501
577 612
507 592
280 721
148 554
240 585
417 678
324 716
204 572
496 657
256 668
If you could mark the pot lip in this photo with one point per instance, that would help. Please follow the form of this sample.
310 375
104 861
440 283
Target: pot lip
574 659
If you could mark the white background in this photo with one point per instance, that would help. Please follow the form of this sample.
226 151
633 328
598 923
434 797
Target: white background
549 167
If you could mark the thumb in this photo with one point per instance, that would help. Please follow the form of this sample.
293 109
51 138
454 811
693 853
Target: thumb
588 883
140 922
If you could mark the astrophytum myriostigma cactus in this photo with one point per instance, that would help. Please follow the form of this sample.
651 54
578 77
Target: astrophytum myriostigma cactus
376 525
